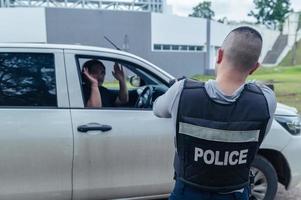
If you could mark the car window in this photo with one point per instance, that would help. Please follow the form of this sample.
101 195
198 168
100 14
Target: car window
136 78
110 82
27 79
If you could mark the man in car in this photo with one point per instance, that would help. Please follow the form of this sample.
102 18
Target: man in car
219 124
97 96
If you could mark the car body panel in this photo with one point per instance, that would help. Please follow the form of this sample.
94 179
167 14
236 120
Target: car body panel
36 146
291 153
277 138
285 110
36 150
132 159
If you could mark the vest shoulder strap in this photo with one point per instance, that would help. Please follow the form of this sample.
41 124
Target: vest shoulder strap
192 84
252 87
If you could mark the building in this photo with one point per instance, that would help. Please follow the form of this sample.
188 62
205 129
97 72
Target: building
178 45
157 6
135 32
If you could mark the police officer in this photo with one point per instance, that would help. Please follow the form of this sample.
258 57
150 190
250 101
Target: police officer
219 124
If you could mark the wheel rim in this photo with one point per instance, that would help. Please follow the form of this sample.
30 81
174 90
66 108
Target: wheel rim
260 185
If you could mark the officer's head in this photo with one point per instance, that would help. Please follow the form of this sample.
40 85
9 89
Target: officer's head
240 50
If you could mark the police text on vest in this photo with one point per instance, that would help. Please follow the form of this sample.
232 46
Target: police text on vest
215 158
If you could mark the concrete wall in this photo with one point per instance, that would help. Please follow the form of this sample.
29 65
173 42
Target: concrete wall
171 29
22 25
136 32
88 27
269 38
179 64
290 26
131 29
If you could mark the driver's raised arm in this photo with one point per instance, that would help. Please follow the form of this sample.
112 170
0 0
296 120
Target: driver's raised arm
123 96
164 104
94 100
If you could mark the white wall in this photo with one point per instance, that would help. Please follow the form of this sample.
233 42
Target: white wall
171 29
290 26
220 31
269 38
22 25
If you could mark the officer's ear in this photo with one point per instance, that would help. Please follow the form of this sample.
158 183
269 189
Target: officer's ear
254 68
220 55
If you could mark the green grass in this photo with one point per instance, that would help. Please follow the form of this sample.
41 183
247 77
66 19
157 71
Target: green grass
287 83
286 80
115 85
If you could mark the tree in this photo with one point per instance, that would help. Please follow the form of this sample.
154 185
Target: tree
203 10
271 13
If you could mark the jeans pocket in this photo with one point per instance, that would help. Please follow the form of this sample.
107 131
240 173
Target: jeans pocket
242 195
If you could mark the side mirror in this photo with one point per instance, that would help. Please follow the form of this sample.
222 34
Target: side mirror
135 81
171 82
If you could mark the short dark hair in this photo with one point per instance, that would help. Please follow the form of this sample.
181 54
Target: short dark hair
242 47
91 64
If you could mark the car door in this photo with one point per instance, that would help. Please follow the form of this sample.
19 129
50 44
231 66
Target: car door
132 159
36 145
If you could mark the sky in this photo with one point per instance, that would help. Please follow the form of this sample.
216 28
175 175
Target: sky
232 9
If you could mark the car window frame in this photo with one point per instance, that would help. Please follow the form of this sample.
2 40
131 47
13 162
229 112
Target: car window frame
62 101
78 56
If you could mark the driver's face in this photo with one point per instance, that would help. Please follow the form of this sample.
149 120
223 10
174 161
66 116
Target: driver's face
99 72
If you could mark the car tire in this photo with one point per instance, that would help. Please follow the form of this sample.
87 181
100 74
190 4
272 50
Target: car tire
265 179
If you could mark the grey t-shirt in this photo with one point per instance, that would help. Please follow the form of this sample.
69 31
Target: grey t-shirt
166 106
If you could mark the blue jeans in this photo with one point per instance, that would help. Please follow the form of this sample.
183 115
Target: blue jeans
183 191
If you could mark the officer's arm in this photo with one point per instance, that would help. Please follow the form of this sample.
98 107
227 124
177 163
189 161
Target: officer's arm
163 104
271 99
272 103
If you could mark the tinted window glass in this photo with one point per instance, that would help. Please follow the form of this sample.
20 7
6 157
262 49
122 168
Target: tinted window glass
175 47
184 47
157 47
27 79
199 48
166 47
191 48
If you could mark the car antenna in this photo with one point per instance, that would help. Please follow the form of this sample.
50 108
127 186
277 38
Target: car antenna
112 43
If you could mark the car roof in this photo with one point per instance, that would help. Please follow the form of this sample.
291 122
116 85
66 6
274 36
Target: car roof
80 48
59 46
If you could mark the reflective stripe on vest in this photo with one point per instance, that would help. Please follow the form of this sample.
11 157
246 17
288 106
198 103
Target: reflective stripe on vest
217 134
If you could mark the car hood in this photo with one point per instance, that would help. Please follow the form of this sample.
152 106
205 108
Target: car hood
285 110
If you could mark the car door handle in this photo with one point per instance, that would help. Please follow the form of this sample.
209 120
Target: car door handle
94 127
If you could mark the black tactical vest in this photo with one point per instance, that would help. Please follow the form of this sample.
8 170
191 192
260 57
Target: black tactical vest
216 143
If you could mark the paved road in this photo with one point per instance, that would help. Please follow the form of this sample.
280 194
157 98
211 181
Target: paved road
292 194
